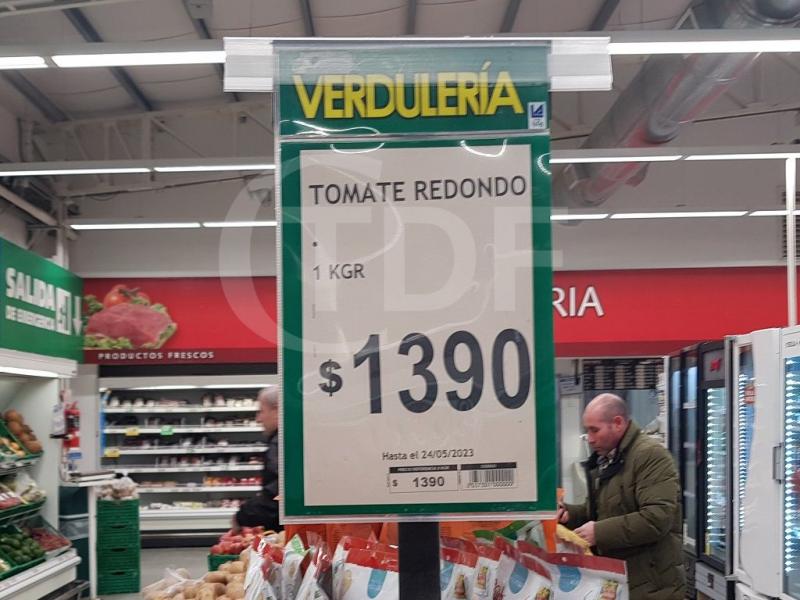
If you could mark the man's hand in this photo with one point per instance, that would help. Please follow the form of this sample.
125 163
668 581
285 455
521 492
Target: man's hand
562 516
587 533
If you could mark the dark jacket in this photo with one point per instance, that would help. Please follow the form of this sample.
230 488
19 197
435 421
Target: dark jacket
635 502
263 509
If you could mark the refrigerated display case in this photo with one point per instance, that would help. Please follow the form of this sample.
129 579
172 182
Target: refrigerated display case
689 459
713 533
674 368
757 427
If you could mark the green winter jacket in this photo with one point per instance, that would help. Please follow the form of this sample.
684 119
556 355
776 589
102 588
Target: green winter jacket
636 505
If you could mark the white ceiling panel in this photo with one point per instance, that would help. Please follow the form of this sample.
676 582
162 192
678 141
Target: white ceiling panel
460 17
544 16
142 20
641 14
253 18
81 91
360 18
40 28
189 83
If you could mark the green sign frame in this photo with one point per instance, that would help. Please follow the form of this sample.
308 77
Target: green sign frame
292 350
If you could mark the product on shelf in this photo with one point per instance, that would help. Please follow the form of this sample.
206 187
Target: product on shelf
17 427
119 489
24 486
8 499
5 567
19 547
234 542
44 534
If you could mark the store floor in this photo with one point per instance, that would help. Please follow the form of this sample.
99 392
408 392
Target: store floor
155 560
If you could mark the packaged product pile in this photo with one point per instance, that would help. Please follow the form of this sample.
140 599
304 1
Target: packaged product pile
511 564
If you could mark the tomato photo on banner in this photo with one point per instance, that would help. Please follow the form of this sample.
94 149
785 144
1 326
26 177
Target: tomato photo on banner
181 320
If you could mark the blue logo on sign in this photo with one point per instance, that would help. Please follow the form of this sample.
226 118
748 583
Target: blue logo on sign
569 578
537 115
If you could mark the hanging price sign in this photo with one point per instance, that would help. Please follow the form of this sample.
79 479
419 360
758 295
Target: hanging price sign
415 281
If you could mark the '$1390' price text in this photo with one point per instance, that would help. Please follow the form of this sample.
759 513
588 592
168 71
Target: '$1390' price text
474 373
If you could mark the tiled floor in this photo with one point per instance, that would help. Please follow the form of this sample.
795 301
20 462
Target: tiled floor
154 561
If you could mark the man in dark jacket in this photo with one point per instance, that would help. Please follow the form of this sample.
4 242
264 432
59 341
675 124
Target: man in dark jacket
263 508
633 509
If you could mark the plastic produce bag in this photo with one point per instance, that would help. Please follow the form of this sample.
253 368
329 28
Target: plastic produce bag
294 555
457 573
369 574
485 572
520 576
175 581
590 577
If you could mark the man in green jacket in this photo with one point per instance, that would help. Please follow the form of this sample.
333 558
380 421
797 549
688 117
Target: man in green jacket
633 509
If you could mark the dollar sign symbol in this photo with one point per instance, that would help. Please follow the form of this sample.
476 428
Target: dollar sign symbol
333 383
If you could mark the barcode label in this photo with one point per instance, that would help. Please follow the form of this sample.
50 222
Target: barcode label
488 476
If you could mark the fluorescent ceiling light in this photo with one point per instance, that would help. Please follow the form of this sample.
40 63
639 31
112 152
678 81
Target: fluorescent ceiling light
235 386
29 372
771 213
108 226
138 59
680 215
705 47
199 168
615 159
22 62
575 217
239 223
88 171
745 156
164 387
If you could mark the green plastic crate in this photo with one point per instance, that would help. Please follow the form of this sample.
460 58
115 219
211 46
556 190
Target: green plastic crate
217 560
121 534
120 581
116 559
117 511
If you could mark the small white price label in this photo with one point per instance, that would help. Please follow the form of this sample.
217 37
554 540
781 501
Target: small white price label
111 453
132 431
423 478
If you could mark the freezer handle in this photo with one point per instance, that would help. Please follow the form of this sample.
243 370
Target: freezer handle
777 463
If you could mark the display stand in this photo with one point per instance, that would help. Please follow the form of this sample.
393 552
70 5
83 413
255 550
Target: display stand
92 505
419 560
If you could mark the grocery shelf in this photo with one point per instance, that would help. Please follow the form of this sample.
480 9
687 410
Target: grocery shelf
198 489
190 450
178 409
20 512
43 579
190 469
185 519
176 429
12 465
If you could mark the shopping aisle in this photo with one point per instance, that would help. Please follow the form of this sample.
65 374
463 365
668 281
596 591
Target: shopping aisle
155 560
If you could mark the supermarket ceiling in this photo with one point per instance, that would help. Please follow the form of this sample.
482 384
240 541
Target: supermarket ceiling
59 101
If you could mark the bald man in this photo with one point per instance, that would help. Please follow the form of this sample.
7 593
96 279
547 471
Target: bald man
633 509
263 508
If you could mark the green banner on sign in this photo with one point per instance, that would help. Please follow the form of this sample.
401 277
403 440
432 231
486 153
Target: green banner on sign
368 91
41 306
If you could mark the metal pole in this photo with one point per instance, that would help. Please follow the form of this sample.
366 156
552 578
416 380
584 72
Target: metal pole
791 242
419 561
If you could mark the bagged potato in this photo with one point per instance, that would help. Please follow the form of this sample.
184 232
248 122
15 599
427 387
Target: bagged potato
369 574
295 558
520 576
591 577
485 572
456 573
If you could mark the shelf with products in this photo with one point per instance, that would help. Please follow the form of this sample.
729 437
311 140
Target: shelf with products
42 579
190 443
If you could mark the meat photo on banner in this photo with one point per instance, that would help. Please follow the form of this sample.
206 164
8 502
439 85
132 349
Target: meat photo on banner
180 320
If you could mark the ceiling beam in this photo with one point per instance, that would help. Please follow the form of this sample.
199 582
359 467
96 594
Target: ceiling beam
411 18
603 15
308 18
510 16
89 33
203 32
46 106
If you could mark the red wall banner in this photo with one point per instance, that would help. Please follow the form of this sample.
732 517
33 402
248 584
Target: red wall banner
597 313
229 320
